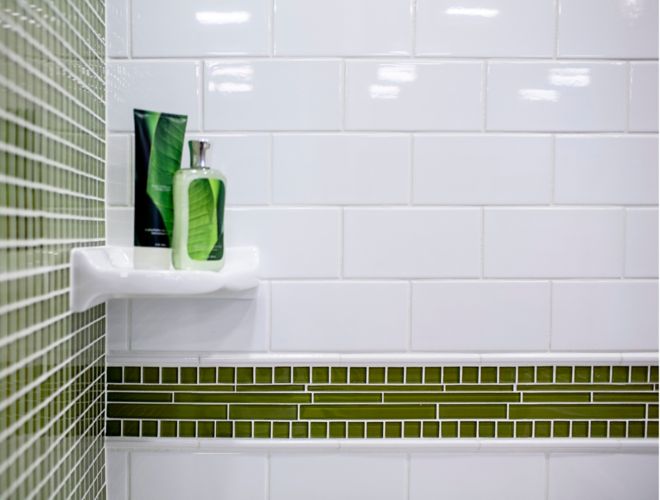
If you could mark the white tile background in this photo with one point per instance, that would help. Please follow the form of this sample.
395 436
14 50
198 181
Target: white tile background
351 475
420 175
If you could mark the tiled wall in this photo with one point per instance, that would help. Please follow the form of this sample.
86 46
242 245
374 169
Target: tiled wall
327 474
383 402
52 150
419 176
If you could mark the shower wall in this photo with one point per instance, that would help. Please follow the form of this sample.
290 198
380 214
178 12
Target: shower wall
52 169
447 197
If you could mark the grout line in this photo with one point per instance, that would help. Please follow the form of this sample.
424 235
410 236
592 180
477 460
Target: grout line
271 28
550 325
407 474
410 317
553 171
129 27
547 476
271 168
557 12
624 232
482 245
484 95
413 28
628 99
411 170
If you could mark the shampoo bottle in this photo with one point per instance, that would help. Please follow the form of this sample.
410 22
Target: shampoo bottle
199 205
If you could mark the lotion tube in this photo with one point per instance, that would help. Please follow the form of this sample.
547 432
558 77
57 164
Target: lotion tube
158 146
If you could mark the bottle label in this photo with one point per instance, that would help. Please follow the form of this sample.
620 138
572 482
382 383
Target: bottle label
206 206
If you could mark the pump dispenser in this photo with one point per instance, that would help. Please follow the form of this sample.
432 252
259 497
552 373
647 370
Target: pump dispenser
199 206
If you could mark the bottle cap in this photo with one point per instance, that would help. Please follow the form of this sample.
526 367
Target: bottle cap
198 151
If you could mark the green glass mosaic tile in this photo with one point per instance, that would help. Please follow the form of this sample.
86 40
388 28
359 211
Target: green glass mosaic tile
347 397
188 430
188 375
206 376
394 402
150 375
283 375
505 429
376 375
412 429
395 375
339 375
248 397
318 430
580 429
301 375
262 429
393 429
280 430
262 412
205 429
366 412
263 375
433 375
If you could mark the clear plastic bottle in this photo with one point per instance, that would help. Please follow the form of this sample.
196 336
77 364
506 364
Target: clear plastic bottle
199 207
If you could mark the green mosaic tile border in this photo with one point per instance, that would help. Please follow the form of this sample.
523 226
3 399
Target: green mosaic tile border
52 168
383 402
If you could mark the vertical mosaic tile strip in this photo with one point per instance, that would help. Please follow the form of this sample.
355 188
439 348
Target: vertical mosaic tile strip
383 402
52 149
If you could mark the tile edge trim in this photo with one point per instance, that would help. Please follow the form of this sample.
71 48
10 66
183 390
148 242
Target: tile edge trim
367 359
536 445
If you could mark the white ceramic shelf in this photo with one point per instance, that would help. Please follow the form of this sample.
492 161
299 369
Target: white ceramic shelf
102 273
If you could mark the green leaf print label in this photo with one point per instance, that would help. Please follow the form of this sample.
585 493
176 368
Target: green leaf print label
206 201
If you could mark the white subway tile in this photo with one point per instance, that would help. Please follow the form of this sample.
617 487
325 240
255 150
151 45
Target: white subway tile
341 169
556 96
462 476
606 170
201 324
412 242
117 28
167 86
486 28
245 162
293 243
641 243
608 28
480 316
119 226
173 475
342 27
272 95
116 324
644 97
402 95
117 474
305 476
553 242
172 28
340 316
479 169
603 476
119 179
605 316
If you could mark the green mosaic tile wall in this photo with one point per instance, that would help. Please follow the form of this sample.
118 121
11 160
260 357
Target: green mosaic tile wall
52 149
383 402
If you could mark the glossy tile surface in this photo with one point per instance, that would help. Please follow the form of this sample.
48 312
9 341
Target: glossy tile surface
151 85
487 477
641 242
203 27
452 316
547 243
401 95
430 243
294 242
608 28
272 94
606 170
541 96
490 28
478 169
343 27
604 316
644 97
335 317
341 169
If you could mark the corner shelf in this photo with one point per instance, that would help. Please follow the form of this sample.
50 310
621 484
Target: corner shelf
102 273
